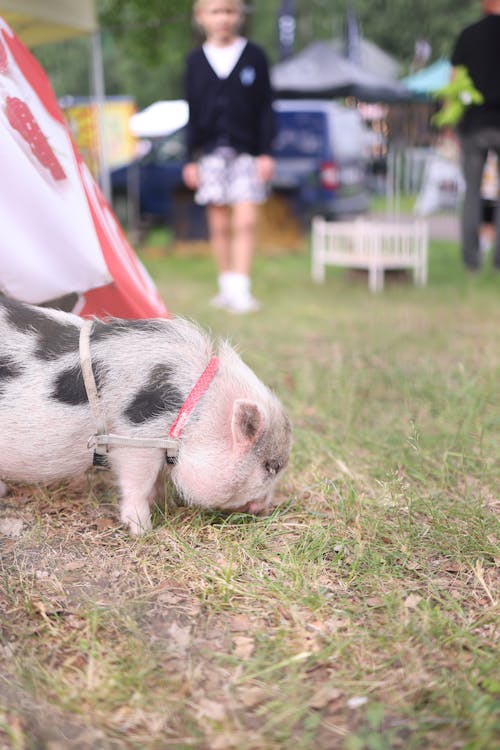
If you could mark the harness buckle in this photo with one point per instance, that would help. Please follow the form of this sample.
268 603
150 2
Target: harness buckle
100 460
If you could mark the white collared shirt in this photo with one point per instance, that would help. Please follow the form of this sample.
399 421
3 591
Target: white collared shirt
222 60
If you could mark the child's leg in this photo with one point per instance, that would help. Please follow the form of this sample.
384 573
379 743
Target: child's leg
219 227
244 227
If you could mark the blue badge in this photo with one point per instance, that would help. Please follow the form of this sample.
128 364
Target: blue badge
247 76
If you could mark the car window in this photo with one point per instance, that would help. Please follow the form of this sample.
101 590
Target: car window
169 149
300 134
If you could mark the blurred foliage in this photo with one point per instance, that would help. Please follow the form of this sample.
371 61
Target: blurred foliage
144 44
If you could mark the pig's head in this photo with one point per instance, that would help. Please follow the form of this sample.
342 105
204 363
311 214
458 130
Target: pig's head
236 449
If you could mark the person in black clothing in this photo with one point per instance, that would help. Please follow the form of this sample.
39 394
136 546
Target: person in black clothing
478 49
230 134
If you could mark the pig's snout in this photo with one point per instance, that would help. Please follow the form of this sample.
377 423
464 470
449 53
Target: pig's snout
255 507
238 473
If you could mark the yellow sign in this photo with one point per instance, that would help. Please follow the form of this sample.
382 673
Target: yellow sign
119 143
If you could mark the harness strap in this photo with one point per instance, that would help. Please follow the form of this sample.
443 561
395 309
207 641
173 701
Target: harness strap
89 380
171 446
101 440
194 396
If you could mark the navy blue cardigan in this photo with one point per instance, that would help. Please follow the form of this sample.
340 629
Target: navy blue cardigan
234 111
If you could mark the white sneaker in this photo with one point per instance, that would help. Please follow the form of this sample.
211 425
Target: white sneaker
244 304
234 294
220 301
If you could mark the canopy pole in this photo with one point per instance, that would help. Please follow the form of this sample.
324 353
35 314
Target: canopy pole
99 97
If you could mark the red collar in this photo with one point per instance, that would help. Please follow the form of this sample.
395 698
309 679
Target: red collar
194 396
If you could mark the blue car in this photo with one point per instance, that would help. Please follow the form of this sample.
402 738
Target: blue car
144 191
320 168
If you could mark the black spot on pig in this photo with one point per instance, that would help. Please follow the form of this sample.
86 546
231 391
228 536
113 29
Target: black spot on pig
53 338
157 396
115 327
66 303
57 339
9 369
69 387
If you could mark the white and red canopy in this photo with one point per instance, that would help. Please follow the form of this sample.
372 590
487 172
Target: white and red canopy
58 235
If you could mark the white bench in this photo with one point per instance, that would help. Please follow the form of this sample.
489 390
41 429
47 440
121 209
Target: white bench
375 245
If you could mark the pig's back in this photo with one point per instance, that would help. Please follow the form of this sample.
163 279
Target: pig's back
43 419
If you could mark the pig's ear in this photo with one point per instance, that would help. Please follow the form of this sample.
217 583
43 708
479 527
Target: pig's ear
248 422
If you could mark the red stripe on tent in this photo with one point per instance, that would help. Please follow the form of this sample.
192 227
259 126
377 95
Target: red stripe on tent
132 294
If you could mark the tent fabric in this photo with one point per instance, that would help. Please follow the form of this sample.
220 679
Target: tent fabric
318 71
430 79
371 57
59 236
42 21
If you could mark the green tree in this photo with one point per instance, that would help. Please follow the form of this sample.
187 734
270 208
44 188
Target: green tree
396 24
144 44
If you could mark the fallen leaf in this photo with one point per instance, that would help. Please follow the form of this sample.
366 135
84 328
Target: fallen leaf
324 580
413 565
181 635
11 527
240 624
243 646
8 650
225 741
208 709
74 565
357 701
451 567
252 696
104 523
412 601
74 622
46 609
374 601
325 695
169 597
317 626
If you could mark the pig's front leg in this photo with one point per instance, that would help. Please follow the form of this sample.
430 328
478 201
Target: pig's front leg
137 471
3 489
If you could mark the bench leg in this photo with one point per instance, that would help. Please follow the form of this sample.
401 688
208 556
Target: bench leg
318 268
318 258
376 278
420 275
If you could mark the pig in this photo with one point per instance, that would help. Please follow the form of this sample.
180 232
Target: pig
232 449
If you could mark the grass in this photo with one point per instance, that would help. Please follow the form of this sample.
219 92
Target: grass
362 615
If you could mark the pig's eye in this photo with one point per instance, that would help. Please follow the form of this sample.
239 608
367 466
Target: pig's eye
272 467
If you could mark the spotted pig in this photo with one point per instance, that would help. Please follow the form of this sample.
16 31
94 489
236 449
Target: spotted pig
234 445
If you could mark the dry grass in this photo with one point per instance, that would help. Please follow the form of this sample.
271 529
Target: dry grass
362 615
